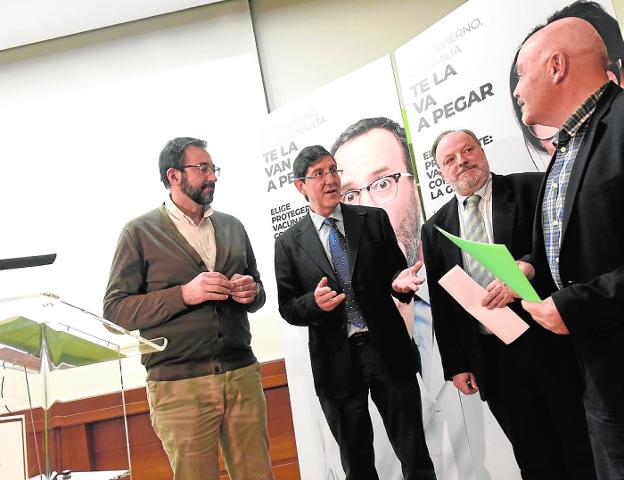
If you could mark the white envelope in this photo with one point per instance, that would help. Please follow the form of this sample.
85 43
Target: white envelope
502 322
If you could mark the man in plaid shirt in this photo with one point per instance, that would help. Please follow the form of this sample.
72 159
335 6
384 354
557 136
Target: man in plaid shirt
579 224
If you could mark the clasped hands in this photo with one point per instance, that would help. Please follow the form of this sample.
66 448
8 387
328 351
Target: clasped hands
216 286
328 299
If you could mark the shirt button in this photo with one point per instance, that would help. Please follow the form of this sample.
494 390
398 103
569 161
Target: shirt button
563 149
557 259
555 223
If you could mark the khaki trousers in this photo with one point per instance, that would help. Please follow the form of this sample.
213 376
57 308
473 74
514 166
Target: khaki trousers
192 416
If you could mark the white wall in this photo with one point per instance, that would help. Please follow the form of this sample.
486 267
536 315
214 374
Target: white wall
83 119
30 21
619 9
304 44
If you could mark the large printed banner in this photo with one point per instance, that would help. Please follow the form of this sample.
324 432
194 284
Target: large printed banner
456 74
358 118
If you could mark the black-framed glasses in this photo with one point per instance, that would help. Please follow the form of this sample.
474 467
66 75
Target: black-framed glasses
204 168
382 190
318 176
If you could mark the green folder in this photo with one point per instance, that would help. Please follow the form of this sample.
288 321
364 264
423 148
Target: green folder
498 261
64 348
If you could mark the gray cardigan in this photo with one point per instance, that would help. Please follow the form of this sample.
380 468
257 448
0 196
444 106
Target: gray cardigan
151 263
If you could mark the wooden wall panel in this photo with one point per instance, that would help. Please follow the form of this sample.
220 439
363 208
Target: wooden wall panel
88 434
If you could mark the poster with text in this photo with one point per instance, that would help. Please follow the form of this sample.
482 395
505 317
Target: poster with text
458 74
358 119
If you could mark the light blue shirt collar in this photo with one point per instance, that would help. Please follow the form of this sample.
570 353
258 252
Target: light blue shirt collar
318 220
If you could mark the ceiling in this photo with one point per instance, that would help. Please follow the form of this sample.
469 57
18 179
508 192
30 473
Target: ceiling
29 21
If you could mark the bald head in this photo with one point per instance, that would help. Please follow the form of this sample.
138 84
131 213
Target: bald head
574 37
558 67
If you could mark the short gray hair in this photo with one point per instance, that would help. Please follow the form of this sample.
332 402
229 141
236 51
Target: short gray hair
436 142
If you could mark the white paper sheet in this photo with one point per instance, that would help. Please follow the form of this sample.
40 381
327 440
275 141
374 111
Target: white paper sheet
502 322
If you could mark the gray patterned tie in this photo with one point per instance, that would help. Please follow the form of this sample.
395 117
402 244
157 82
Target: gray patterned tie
340 259
475 231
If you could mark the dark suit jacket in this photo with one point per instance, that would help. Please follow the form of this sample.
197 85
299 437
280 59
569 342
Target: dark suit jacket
591 260
375 259
513 207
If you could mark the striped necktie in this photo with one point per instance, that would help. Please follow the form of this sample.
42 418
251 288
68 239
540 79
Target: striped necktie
475 231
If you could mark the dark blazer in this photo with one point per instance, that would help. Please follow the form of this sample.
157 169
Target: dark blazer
591 260
513 207
375 259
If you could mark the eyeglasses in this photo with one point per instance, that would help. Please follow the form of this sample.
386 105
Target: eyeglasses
318 176
204 168
382 190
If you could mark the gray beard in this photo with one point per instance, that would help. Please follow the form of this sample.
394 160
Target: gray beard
469 185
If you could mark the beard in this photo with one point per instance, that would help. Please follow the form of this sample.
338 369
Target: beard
197 194
466 184
408 233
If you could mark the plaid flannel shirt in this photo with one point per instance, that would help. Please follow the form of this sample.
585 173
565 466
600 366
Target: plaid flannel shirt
568 142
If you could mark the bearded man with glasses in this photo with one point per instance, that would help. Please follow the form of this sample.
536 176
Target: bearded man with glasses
188 273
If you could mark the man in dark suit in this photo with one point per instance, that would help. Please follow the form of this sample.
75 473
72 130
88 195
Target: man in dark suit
532 386
579 226
341 289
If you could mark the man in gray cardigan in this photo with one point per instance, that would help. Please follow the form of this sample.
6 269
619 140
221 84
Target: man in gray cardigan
188 273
